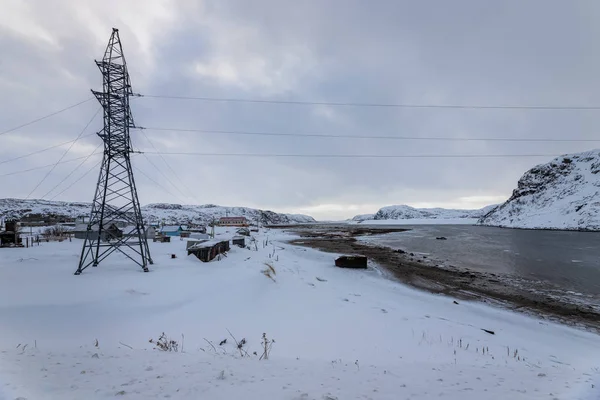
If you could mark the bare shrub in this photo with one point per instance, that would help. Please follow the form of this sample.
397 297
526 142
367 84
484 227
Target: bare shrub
165 344
269 272
57 231
267 345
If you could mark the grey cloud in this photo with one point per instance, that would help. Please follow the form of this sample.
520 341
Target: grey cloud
536 52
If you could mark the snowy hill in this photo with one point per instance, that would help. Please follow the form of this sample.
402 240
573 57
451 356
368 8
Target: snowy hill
562 194
404 212
206 213
169 213
19 208
363 217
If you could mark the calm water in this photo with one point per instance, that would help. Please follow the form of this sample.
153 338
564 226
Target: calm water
570 260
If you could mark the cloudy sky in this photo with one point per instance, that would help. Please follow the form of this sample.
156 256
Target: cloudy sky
412 52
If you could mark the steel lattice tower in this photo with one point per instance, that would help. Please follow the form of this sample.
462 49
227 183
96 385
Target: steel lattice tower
116 221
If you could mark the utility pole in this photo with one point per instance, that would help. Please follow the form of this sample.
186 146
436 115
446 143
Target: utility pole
116 203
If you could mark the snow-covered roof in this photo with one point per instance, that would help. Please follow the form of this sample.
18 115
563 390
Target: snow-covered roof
170 228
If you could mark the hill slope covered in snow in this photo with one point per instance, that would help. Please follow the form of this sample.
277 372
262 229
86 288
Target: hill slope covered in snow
404 212
561 194
169 213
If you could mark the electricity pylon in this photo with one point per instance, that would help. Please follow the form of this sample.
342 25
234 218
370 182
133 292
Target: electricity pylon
116 222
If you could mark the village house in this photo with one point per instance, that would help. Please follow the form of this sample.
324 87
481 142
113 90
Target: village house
112 229
197 229
171 230
10 235
36 219
233 221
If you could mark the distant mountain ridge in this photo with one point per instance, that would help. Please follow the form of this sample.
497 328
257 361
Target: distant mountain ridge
404 212
159 212
561 194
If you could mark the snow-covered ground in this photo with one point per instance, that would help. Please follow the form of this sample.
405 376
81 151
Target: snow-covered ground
339 334
418 221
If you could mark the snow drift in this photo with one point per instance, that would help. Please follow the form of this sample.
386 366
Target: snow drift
561 194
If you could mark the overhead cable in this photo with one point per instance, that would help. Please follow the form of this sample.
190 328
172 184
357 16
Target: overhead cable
72 172
156 183
353 155
45 166
78 179
65 153
46 149
44 117
374 105
326 135
170 168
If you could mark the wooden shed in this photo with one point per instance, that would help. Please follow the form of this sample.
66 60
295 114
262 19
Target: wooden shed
10 235
207 251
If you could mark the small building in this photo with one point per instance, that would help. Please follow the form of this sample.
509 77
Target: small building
44 219
110 232
10 235
243 232
161 239
199 235
233 221
150 232
197 229
171 230
208 250
238 241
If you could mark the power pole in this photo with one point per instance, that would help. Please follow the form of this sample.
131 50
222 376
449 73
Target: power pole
116 201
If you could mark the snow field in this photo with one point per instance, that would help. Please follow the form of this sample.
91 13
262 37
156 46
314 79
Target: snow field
339 334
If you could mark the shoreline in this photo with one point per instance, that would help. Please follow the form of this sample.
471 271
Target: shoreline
423 273
353 224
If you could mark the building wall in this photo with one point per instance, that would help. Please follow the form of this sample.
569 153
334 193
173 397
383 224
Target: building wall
236 222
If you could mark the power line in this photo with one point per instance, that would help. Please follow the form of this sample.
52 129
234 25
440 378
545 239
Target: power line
354 155
81 177
64 154
166 177
44 117
43 150
373 105
326 135
72 172
78 179
45 166
168 166
156 183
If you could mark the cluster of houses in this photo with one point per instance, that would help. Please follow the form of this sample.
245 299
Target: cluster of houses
186 230
9 236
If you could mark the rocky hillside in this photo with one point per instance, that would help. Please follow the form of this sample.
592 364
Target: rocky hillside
169 213
562 194
206 213
406 212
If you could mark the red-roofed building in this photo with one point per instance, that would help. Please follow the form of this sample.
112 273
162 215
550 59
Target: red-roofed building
233 221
